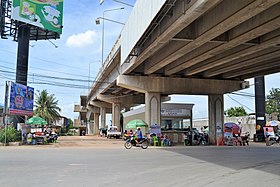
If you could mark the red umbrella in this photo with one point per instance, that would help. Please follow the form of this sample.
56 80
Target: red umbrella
233 127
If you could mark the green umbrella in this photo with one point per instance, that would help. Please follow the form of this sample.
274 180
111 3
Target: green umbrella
136 123
35 120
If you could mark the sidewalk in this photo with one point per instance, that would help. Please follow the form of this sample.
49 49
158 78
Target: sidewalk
88 141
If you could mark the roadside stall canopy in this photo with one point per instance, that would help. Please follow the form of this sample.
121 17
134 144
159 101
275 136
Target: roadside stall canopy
36 120
136 123
231 128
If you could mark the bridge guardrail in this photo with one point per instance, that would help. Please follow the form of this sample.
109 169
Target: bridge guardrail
105 64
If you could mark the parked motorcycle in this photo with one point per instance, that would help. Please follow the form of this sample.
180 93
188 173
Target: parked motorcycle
271 140
52 138
144 143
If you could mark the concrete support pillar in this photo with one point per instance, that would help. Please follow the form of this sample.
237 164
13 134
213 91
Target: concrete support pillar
116 111
96 123
90 127
90 118
103 117
152 108
216 118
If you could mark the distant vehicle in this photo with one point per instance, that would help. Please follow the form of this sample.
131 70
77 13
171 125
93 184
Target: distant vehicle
113 132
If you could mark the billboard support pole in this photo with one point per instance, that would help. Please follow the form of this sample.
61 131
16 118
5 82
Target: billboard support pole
23 53
22 57
5 110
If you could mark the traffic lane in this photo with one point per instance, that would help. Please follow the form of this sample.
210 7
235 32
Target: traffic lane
236 157
137 167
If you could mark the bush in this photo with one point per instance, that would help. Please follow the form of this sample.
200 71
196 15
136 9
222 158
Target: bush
12 135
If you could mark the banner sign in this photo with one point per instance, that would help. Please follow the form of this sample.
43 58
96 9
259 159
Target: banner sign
21 99
176 112
46 14
155 129
268 130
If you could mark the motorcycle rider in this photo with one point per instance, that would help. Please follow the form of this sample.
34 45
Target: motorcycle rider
139 135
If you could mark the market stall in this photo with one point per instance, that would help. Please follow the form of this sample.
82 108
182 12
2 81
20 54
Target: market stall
36 131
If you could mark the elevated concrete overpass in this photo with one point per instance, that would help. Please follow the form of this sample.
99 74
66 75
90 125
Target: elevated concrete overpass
198 47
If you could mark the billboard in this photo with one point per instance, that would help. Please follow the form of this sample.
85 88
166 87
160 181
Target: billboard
21 99
46 14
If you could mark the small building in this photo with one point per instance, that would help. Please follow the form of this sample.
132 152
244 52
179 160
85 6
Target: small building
175 119
60 123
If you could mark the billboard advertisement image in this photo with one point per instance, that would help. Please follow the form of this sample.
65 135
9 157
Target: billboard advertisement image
46 14
21 99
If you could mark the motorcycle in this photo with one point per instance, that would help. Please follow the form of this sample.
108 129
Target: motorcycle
270 140
52 138
143 143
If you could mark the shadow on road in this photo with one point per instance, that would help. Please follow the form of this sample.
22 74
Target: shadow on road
264 158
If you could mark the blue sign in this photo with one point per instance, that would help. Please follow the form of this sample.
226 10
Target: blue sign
21 99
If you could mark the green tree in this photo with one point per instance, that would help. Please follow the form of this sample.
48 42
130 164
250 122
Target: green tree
236 111
70 123
47 106
273 101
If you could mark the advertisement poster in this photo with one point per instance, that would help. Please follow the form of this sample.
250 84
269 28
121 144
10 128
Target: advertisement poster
155 129
268 130
21 99
46 14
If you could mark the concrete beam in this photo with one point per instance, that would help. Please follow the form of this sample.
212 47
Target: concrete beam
251 50
237 65
106 77
192 13
218 28
126 101
101 104
93 109
173 85
261 73
263 66
253 28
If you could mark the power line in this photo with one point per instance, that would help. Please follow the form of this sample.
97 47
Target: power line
52 62
32 75
52 83
72 74
240 103
245 95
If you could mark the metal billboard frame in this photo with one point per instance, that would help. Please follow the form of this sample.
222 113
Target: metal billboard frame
10 27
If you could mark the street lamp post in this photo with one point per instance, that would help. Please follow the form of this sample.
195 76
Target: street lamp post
102 1
103 26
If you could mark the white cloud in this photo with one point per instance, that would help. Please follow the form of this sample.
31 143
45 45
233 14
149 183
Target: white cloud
81 39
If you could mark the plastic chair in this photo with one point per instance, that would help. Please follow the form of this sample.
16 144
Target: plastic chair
155 140
164 142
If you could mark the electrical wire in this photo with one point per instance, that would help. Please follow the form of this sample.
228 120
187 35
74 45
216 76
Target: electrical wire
31 67
52 62
240 103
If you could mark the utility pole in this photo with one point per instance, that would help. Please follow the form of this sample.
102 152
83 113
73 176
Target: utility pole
6 110
260 107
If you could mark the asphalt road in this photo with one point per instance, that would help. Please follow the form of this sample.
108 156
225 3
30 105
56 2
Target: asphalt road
113 165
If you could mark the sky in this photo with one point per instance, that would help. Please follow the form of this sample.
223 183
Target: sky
78 57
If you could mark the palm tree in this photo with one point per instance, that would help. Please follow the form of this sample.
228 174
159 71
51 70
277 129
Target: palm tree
46 106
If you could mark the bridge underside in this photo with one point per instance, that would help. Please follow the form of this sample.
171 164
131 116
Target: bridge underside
197 47
229 40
